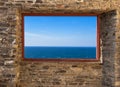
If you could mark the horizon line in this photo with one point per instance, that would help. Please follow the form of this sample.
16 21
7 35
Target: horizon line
60 46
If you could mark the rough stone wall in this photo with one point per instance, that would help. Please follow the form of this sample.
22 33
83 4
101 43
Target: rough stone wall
57 74
14 72
117 54
107 31
7 45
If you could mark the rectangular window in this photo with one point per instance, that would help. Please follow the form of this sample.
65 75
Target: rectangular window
60 37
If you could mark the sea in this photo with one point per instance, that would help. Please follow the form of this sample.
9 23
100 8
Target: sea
59 52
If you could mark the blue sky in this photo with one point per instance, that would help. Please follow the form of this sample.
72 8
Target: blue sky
60 31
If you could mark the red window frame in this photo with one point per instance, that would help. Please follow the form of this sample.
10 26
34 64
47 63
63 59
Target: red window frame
97 59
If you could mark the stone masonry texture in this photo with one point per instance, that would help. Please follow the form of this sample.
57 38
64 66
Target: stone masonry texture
15 72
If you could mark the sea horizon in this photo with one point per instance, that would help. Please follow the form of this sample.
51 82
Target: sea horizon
59 46
59 52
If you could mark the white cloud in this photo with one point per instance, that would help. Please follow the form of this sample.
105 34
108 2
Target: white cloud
32 39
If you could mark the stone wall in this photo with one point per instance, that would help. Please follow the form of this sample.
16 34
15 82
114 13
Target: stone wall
14 72
107 30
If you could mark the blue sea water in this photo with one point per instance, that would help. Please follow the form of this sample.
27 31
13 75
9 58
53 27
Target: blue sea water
60 52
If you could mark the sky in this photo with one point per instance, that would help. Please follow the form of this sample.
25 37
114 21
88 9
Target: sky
73 31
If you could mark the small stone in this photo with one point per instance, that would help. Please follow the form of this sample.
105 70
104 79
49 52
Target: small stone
38 1
45 67
8 62
61 71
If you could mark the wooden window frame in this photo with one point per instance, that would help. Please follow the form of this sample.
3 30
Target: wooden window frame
97 59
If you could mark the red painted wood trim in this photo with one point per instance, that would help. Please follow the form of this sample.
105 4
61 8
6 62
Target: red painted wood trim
98 38
23 36
97 59
57 14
